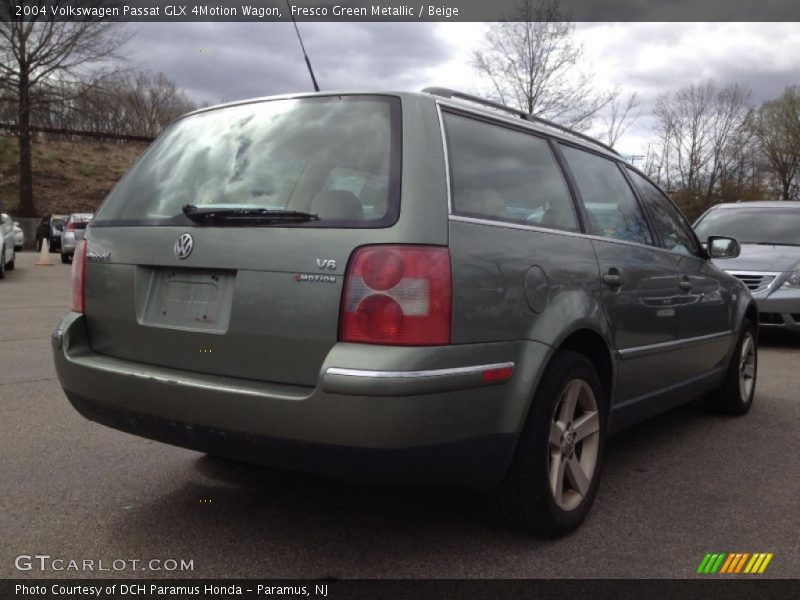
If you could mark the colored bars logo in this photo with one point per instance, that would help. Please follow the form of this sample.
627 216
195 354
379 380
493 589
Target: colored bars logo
734 562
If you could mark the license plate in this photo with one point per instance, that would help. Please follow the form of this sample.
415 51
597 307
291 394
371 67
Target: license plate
190 299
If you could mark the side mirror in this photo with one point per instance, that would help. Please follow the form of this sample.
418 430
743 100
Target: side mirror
718 246
16 223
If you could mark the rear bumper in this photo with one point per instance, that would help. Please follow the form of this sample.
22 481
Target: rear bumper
68 245
366 422
780 310
477 461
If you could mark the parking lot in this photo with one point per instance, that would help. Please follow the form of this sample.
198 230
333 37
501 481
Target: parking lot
674 488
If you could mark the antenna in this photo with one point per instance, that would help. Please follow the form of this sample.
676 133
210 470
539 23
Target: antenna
308 62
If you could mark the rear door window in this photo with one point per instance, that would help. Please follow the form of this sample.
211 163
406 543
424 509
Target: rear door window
610 204
504 174
670 224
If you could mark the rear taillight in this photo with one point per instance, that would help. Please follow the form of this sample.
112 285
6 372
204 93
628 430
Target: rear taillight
79 277
70 226
397 295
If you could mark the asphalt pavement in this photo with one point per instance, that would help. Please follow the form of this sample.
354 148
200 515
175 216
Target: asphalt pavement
674 488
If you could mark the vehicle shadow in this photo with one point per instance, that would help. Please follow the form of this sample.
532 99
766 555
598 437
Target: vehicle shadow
326 528
775 338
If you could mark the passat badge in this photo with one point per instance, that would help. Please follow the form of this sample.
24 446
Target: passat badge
184 246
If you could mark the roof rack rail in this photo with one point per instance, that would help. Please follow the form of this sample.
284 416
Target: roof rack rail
448 93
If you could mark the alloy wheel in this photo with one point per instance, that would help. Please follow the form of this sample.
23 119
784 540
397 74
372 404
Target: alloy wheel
747 367
574 444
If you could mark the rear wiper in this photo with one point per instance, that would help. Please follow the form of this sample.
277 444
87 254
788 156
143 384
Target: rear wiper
246 216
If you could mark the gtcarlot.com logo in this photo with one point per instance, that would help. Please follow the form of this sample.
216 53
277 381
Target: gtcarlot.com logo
732 563
45 562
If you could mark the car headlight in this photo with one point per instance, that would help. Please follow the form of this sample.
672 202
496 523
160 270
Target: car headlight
793 282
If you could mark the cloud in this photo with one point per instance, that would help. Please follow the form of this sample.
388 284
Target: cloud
231 61
215 61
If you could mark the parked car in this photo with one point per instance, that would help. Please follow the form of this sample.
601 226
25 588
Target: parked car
481 304
19 237
73 233
7 252
769 263
50 229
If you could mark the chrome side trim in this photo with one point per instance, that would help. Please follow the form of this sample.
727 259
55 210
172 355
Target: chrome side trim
416 374
651 348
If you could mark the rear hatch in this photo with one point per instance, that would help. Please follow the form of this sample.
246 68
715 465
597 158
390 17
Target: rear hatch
223 249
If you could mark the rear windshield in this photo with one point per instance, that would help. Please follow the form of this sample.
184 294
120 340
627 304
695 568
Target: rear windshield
334 156
752 225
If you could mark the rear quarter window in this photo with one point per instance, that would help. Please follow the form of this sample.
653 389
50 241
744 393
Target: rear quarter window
503 174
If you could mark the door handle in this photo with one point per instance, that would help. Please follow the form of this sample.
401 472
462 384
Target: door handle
612 278
685 284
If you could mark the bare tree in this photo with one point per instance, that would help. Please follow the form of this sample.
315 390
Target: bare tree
622 113
152 101
38 54
140 103
702 130
533 64
776 125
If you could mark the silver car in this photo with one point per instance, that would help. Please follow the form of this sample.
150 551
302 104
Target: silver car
19 237
769 263
73 233
7 251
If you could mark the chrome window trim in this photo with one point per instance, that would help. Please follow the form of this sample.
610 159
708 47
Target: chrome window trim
370 374
446 159
564 232
628 352
500 118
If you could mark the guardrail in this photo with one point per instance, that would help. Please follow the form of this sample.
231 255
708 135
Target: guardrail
12 127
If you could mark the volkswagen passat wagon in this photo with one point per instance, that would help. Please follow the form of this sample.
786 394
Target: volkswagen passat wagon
411 287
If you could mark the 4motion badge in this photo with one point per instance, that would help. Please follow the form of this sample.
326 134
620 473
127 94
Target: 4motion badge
305 278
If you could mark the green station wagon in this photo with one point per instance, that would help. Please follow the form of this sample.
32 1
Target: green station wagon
423 288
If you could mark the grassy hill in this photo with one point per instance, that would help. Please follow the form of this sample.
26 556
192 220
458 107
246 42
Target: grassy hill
68 175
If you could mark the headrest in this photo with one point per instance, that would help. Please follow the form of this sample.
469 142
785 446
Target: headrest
337 205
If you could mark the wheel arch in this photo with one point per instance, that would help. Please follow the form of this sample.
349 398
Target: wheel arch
593 346
588 341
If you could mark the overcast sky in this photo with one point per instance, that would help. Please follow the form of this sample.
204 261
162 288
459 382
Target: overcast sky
229 61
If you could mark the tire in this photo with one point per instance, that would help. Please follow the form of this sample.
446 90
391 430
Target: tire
526 498
3 264
10 266
735 397
66 259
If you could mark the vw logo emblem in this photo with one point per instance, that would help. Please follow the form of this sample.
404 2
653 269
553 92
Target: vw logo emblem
184 246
